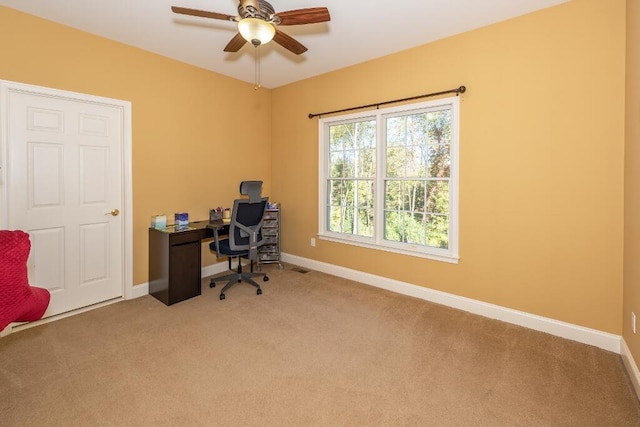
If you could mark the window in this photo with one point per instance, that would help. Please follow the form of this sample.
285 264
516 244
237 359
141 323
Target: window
389 179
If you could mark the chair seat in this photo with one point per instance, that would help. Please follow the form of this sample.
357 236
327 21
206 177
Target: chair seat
226 250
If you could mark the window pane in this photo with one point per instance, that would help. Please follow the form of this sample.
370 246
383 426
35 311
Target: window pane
438 231
352 149
438 197
347 193
400 227
347 220
352 135
413 195
336 190
393 228
439 160
414 162
336 165
349 168
395 162
367 163
415 229
334 218
350 208
365 222
393 195
417 129
396 130
366 134
340 219
365 194
337 136
439 126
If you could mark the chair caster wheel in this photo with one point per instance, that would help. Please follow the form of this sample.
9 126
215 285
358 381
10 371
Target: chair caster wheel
265 279
212 284
259 292
221 296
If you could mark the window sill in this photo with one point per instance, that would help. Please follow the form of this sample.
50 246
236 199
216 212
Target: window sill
452 259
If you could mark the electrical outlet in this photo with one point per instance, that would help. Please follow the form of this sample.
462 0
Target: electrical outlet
633 322
313 242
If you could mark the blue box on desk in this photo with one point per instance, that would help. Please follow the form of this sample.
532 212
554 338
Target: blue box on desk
182 218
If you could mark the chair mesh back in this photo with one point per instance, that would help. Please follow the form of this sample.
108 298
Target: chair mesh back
250 215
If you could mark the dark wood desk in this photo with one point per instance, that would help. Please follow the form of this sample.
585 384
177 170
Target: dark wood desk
175 261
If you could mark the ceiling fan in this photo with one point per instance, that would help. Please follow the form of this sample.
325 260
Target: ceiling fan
258 21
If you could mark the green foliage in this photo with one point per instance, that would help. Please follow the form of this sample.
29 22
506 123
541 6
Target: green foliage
417 167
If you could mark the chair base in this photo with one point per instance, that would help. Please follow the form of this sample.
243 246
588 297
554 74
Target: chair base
239 276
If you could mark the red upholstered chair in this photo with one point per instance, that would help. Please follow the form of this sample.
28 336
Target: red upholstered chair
19 302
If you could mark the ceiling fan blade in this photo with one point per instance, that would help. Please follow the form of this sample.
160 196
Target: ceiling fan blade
310 15
235 43
203 13
289 42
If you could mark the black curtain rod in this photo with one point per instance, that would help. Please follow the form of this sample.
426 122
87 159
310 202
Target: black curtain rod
457 91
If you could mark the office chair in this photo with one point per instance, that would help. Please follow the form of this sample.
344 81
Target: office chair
244 238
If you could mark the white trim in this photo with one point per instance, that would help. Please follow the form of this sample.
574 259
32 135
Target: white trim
603 340
139 291
18 326
127 198
632 367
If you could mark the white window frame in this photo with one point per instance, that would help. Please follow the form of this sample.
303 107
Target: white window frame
377 241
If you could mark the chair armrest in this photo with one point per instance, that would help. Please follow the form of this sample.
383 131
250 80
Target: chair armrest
253 240
216 239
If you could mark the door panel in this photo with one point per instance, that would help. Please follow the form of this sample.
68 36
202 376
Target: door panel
47 252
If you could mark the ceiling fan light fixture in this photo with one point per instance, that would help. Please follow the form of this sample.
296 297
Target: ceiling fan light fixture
256 31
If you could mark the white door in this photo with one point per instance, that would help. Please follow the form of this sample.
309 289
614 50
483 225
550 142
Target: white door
64 169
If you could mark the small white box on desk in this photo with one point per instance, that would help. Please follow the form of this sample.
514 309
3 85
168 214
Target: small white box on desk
159 221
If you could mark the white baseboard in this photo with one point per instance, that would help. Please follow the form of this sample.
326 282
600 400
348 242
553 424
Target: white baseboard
138 291
632 367
21 326
570 331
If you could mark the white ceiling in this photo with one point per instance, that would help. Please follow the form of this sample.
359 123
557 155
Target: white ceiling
358 31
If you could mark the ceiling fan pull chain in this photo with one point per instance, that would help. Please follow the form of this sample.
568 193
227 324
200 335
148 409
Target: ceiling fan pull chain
257 70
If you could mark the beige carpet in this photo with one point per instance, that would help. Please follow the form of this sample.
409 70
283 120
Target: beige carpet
312 350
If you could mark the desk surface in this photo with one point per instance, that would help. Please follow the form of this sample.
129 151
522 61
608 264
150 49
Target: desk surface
193 226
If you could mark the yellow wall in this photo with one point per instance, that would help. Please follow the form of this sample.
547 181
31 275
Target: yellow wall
542 146
186 120
632 181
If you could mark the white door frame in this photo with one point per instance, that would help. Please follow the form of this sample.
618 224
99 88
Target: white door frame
7 87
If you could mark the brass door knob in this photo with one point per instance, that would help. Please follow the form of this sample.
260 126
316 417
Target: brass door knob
114 212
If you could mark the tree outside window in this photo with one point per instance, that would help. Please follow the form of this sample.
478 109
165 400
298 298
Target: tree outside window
408 156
